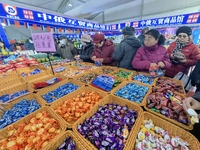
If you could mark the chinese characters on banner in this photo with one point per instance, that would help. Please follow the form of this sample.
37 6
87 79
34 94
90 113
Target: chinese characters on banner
164 21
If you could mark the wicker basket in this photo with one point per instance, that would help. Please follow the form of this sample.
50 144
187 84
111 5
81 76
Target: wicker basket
143 103
146 74
59 102
35 77
126 70
189 127
11 83
8 76
173 130
80 145
29 69
83 74
99 70
27 97
177 81
3 132
111 99
44 80
53 87
17 88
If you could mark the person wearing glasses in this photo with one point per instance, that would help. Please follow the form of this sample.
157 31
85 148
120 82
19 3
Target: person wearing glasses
183 52
152 53
103 50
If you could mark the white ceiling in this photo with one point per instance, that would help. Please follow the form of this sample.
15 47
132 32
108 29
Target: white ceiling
111 11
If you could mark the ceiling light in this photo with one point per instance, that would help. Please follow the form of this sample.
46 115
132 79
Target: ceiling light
69 4
3 24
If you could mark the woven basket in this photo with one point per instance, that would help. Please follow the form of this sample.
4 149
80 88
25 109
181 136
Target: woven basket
27 97
53 87
72 68
3 132
17 88
35 77
189 127
80 145
8 76
146 74
143 103
45 79
173 130
11 83
177 81
111 99
59 102
126 70
99 70
29 69
83 74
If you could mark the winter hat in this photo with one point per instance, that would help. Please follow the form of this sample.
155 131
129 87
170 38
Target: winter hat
85 38
184 29
128 31
98 38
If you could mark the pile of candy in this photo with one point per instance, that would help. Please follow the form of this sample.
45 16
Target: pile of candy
36 71
88 78
123 74
68 144
9 97
154 137
60 92
143 79
107 70
33 134
109 127
72 109
133 92
116 83
168 104
58 69
168 83
73 72
39 85
19 110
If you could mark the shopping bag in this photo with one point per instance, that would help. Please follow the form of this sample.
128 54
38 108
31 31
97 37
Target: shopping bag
185 80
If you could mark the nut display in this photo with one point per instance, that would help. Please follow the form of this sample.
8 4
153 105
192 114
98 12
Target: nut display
88 77
168 104
154 137
60 92
109 127
31 135
18 111
133 92
72 109
107 70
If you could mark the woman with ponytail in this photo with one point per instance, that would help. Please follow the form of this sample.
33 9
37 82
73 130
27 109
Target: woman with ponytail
153 53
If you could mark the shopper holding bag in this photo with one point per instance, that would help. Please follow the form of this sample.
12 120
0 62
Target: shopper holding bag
183 53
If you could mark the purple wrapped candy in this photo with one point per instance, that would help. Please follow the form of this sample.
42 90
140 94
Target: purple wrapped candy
106 127
68 144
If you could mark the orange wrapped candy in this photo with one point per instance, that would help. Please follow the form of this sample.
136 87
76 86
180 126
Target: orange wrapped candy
72 109
33 135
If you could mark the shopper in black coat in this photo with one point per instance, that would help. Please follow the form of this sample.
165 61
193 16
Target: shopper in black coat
142 36
126 50
86 50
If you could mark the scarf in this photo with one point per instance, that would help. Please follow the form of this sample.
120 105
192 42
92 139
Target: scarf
179 46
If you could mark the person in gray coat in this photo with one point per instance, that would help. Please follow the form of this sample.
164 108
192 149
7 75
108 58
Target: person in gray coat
29 44
65 48
126 50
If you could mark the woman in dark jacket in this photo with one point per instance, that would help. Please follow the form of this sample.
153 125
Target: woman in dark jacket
86 50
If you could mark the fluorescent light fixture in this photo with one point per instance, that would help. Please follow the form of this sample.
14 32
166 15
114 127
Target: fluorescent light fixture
69 4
